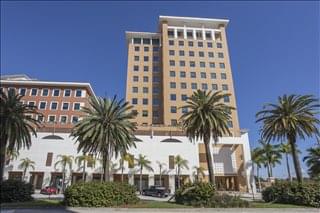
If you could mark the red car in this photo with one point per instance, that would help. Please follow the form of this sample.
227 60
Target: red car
49 190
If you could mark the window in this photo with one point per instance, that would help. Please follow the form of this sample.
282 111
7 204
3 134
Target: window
145 101
155 90
56 92
180 33
172 63
223 76
219 45
181 43
183 85
63 119
155 58
184 110
189 34
137 40
78 93
212 65
51 118
155 102
136 58
214 87
156 79
40 118
145 68
201 54
226 99
54 105
173 97
225 87
144 113
155 49
172 73
49 159
45 92
173 123
209 44
76 106
65 106
75 119
204 86
170 33
230 124
67 92
193 85
200 44
191 53
213 75
173 109
171 52
182 63
136 48
220 55
202 64
42 105
193 75
172 85
181 53
208 35
34 92
184 97
210 54
182 74
155 41
146 41
199 34
203 75
134 101
31 103
171 42
135 112
145 58
23 91
190 43
135 78
145 79
146 49
192 64
145 90
155 114
156 69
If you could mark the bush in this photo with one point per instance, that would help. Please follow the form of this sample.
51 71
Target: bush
203 195
307 194
95 194
16 191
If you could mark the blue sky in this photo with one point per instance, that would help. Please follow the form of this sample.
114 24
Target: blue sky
274 46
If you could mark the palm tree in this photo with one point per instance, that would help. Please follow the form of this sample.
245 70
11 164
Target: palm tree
143 163
16 127
161 165
259 159
85 159
198 171
207 117
271 154
11 155
285 148
25 164
313 162
293 117
181 164
106 129
65 161
125 157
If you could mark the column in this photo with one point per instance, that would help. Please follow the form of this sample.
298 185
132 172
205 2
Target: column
194 34
151 180
213 35
185 32
172 183
203 33
131 179
175 32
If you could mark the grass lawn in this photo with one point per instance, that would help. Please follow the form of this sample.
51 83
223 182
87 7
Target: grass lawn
33 204
262 204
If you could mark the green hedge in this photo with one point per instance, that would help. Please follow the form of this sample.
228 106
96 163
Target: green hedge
16 191
96 194
203 195
307 194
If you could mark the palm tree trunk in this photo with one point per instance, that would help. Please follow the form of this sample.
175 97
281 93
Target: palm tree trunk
258 176
268 170
271 170
140 185
288 168
178 177
122 173
295 157
24 173
63 177
2 156
209 159
106 167
160 177
84 171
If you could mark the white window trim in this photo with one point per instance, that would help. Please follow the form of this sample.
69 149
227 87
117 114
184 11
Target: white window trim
35 103
40 104
66 119
62 106
64 93
73 117
75 93
42 92
21 89
52 94
52 103
74 103
31 92
55 118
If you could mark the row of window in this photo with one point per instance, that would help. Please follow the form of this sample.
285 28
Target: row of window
204 86
146 68
192 53
147 41
190 34
202 64
55 105
191 44
146 58
203 75
63 119
46 92
147 49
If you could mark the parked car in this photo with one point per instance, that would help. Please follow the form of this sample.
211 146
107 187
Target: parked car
49 190
157 191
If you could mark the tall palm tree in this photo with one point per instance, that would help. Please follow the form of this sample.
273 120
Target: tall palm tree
161 165
285 148
125 157
106 129
143 163
180 164
313 162
259 159
199 171
293 117
207 118
271 154
64 161
16 127
85 159
25 164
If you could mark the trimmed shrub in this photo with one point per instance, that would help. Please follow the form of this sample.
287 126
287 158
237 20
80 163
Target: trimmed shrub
307 194
203 195
96 194
16 191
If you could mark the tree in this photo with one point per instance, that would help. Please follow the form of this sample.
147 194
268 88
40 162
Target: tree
180 164
106 129
259 159
143 163
207 118
285 148
65 161
271 154
161 165
199 171
25 164
293 117
125 157
11 155
16 126
85 159
313 162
